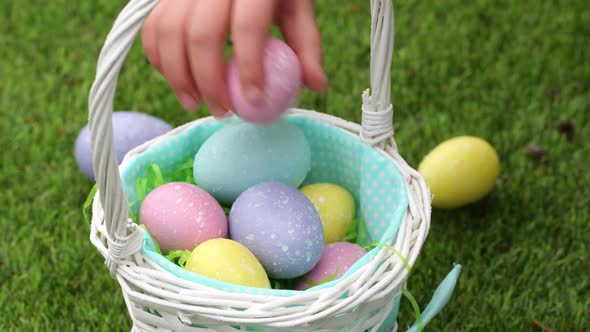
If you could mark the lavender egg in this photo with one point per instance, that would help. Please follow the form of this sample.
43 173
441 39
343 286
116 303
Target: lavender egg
130 129
280 226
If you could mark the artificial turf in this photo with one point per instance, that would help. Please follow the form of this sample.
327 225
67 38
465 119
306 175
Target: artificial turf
506 71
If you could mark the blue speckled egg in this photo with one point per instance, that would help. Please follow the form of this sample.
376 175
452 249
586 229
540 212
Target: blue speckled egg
130 129
281 228
241 155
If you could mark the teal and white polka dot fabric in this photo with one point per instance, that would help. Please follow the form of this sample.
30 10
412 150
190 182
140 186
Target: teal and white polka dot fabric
337 157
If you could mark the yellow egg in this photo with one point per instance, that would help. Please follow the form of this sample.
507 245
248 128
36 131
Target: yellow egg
460 171
229 261
336 208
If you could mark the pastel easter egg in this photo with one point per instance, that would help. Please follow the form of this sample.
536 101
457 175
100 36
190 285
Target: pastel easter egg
240 155
280 226
336 259
460 171
180 216
130 129
228 261
335 206
283 80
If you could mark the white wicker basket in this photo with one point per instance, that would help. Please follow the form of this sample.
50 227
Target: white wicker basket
360 302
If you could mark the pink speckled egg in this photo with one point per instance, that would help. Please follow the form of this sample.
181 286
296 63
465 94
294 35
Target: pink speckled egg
283 80
336 259
180 216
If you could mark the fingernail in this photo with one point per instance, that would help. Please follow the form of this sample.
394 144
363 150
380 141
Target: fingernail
252 93
188 101
226 115
217 111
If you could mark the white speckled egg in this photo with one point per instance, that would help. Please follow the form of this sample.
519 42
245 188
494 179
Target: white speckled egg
180 216
280 226
241 155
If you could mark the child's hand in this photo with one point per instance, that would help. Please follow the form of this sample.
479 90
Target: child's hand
184 39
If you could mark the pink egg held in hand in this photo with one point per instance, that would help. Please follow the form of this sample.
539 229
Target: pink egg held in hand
180 216
336 259
282 82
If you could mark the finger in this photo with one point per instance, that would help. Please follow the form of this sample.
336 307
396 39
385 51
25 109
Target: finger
173 53
299 27
205 37
149 37
251 20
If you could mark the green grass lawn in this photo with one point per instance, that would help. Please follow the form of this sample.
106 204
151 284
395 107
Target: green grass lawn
507 71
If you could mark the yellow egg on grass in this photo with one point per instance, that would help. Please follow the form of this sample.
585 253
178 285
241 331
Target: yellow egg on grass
336 208
229 261
460 171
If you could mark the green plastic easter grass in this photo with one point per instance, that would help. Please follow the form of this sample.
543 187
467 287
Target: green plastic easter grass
276 284
185 172
352 233
397 253
88 203
153 240
414 303
356 232
405 291
282 283
155 178
362 229
329 278
144 185
178 257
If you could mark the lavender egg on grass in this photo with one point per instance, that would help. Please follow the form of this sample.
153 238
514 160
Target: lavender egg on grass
130 129
241 155
280 226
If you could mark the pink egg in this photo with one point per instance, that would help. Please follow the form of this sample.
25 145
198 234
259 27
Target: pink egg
180 216
283 79
337 256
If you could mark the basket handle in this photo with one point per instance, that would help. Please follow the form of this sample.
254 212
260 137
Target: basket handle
123 238
377 110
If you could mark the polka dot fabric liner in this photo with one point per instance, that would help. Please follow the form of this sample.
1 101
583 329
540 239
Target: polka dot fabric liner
337 157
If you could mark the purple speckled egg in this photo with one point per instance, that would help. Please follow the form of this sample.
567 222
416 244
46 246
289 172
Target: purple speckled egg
280 226
336 259
130 129
180 216
283 81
